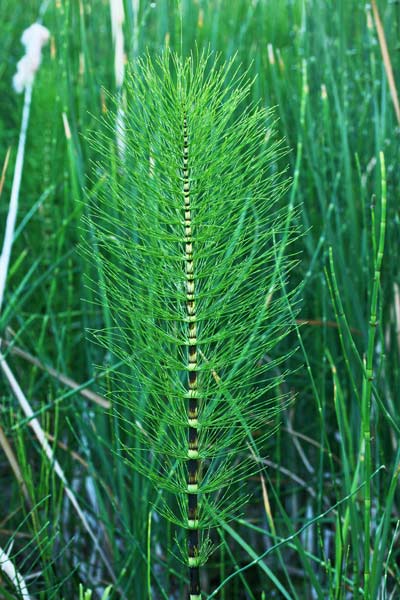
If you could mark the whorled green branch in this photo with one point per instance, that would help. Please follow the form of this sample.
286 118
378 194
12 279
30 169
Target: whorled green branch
187 229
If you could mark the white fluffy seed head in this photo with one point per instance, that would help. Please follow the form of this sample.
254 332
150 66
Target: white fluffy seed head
33 38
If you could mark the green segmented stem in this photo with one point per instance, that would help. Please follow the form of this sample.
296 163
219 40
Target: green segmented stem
193 441
368 377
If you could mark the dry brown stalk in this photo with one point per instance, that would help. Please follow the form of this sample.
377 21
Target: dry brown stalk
89 394
386 59
4 171
8 451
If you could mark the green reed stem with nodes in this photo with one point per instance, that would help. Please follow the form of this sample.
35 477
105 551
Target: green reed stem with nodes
367 366
188 232
368 375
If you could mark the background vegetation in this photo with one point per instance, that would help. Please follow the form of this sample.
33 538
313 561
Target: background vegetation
327 499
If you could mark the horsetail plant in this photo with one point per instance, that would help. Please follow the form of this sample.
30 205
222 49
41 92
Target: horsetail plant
188 229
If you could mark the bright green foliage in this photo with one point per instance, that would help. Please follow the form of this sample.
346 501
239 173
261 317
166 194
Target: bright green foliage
320 65
190 272
87 594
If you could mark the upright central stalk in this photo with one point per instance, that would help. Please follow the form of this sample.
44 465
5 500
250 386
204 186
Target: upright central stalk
192 382
188 267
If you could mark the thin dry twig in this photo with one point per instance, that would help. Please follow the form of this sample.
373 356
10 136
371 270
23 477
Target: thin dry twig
4 171
311 441
292 476
71 383
267 505
64 447
322 323
8 451
16 534
297 444
386 59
